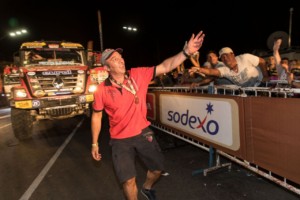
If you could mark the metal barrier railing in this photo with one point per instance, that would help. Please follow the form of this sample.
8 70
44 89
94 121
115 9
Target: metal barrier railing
275 89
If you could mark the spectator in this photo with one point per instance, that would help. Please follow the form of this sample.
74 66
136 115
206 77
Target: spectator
282 64
176 77
163 80
212 62
187 79
271 67
244 70
294 75
7 69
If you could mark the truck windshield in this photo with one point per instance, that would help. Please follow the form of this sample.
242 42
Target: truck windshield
52 57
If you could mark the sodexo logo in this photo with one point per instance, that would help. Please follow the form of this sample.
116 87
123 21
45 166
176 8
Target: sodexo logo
207 125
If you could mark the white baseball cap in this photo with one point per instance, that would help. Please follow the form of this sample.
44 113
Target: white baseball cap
225 50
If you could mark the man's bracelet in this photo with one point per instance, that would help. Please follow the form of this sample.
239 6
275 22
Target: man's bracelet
185 54
95 145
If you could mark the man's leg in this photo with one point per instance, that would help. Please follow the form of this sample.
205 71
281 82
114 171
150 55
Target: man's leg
130 189
152 177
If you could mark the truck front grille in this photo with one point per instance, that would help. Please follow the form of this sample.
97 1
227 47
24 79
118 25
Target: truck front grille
59 102
57 81
60 111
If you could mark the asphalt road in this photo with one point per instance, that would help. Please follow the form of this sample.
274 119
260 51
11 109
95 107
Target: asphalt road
56 165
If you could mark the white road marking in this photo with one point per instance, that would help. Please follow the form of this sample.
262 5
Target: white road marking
47 167
4 116
5 125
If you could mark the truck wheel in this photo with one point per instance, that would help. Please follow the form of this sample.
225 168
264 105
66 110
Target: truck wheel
22 123
89 112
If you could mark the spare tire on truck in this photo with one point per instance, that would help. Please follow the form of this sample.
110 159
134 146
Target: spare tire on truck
22 123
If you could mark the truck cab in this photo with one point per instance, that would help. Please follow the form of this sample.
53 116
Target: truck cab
49 80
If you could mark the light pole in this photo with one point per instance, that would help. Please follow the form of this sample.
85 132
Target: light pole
290 27
100 30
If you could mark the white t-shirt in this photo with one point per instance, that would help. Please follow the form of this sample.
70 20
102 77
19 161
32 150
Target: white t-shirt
220 80
208 65
249 73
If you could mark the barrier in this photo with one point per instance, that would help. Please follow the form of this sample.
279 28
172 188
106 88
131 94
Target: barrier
254 127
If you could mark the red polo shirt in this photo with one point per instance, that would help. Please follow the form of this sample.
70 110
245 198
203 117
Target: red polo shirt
126 118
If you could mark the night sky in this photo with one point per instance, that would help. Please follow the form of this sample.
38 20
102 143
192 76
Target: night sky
244 26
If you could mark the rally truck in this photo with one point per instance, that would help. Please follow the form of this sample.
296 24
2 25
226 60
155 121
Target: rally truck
49 80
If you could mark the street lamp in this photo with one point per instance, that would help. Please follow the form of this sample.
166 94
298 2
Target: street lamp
130 28
18 32
142 34
15 33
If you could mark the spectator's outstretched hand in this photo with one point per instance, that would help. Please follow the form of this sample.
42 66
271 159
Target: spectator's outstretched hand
277 44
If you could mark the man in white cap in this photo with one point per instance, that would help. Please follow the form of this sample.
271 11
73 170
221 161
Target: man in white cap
212 61
123 96
245 70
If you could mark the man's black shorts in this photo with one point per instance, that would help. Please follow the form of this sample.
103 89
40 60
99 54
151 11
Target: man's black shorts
144 145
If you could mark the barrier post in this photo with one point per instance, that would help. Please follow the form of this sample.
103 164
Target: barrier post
213 154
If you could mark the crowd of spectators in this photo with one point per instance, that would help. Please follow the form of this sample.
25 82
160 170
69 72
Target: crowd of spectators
226 68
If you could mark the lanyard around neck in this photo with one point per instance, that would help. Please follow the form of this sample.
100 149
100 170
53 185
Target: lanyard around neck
130 89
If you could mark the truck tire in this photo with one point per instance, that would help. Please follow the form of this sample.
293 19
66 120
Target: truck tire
22 123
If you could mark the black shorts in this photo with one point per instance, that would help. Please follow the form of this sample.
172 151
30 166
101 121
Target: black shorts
124 152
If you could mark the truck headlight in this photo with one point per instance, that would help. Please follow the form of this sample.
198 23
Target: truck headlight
92 88
39 93
20 93
77 90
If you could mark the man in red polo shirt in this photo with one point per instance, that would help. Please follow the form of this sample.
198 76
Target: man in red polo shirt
123 96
